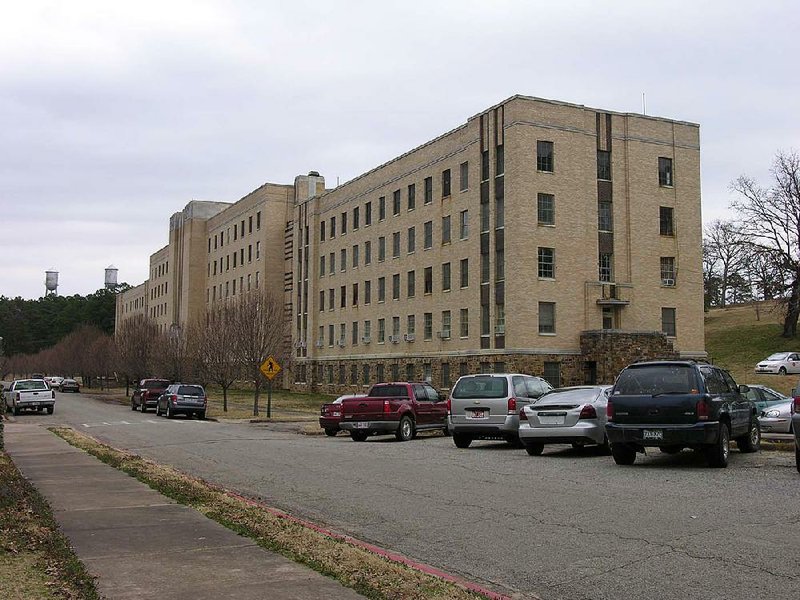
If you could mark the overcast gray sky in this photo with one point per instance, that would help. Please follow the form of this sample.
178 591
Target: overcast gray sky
114 115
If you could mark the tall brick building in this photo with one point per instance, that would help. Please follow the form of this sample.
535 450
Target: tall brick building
539 236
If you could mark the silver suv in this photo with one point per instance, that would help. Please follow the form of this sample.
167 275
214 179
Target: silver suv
486 407
182 398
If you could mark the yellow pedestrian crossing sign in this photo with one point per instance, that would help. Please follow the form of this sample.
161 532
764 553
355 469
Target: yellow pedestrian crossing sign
270 368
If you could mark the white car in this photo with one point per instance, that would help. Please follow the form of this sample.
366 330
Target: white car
780 363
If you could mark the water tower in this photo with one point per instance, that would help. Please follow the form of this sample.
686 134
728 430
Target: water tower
51 282
111 277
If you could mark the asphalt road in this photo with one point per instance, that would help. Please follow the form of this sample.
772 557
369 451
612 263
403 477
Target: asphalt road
569 524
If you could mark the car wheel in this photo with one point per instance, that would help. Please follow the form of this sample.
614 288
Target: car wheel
16 410
752 441
359 436
670 449
158 411
330 432
605 447
534 449
717 454
143 407
133 405
405 431
461 440
514 442
623 454
782 371
201 415
169 412
50 410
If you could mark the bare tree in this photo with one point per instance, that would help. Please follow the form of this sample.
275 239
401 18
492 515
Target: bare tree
136 341
771 220
727 247
215 346
261 329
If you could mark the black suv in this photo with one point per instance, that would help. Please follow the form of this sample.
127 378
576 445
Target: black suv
674 404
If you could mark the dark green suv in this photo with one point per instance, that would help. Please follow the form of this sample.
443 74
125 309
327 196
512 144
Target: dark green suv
675 404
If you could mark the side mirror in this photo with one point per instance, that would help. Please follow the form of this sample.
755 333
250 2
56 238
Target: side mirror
743 389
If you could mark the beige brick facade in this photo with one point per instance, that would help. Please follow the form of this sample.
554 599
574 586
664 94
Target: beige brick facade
531 218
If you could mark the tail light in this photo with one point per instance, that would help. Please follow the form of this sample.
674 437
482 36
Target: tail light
205 400
588 412
449 406
53 392
610 410
174 399
387 407
522 415
703 410
796 405
512 406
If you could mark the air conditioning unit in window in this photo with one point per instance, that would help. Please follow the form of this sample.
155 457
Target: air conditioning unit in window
668 282
319 344
300 344
340 343
444 334
409 337
394 339
499 329
365 339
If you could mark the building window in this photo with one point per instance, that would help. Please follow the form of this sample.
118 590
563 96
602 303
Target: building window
381 289
396 203
381 208
463 328
546 209
395 372
332 228
343 260
547 317
604 165
331 298
355 255
428 278
258 220
544 156
668 270
464 182
257 278
354 339
396 286
331 263
412 196
411 324
379 373
552 373
250 224
547 263
463 224
664 171
322 300
500 160
428 325
410 372
428 190
411 284
668 321
322 231
396 244
666 223
396 327
368 213
445 183
464 272
381 249
446 229
500 319
605 216
367 252
356 217
605 267
343 296
344 223
412 239
381 331
367 291
367 329
446 277
355 294
249 253
499 265
428 235
446 323
446 375
608 317
365 379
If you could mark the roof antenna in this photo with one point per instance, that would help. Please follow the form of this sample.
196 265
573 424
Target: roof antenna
644 104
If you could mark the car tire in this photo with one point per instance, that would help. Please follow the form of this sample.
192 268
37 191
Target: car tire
201 415
782 371
534 449
405 430
50 410
462 440
605 447
514 442
158 411
133 405
751 442
623 454
330 432
143 407
359 436
717 454
670 449
169 412
16 410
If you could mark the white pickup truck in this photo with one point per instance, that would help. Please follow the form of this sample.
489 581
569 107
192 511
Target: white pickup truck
31 394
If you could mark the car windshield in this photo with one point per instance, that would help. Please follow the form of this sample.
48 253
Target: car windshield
156 384
779 356
190 390
656 379
30 385
70 381
570 396
481 387
389 391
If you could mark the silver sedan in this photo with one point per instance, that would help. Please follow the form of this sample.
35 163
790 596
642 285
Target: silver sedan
776 418
573 415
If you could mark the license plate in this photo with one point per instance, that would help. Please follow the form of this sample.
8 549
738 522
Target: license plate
478 414
551 419
652 434
362 425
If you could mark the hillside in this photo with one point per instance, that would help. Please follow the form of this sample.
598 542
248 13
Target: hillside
736 340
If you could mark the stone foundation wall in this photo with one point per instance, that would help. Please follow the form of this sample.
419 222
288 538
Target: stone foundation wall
612 350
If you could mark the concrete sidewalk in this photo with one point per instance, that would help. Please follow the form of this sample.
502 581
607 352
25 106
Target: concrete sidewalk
140 544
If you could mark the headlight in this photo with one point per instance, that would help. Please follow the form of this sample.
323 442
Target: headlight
772 413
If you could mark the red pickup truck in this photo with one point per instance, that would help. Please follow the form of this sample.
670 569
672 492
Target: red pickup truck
399 408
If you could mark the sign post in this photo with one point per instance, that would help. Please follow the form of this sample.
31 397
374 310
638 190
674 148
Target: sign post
270 369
